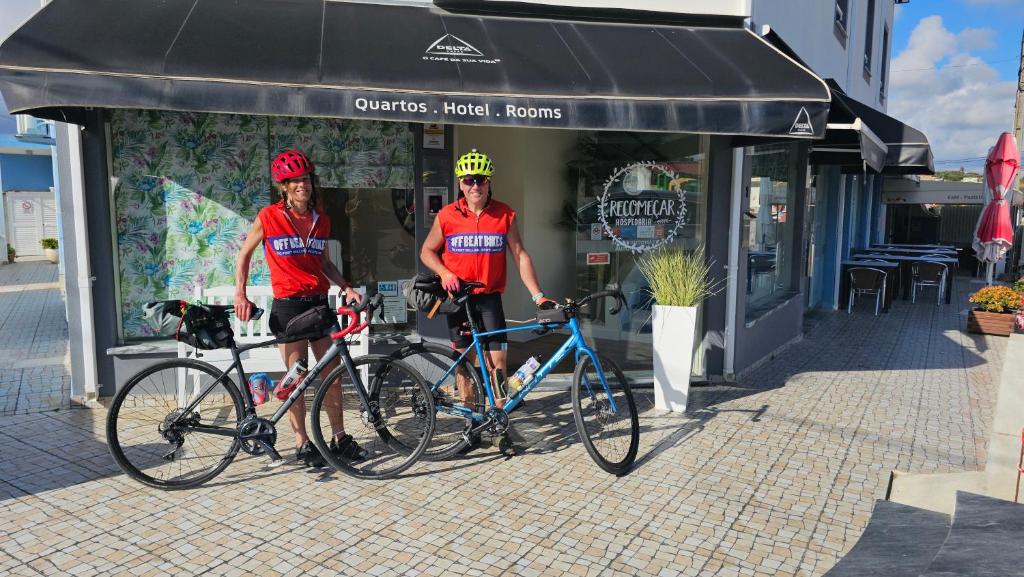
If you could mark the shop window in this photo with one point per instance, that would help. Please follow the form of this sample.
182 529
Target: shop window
373 243
770 235
188 186
635 192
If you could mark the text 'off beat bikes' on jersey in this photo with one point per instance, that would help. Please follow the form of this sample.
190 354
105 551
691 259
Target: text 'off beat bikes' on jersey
295 260
474 245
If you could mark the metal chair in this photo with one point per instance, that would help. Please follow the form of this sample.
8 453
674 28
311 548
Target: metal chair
867 280
925 274
762 269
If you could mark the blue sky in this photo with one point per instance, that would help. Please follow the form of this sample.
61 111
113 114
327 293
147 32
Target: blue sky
954 73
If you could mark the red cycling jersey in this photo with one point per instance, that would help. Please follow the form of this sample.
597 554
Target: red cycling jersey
474 246
296 263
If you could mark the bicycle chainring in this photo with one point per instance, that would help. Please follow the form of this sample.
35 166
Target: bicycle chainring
498 421
253 429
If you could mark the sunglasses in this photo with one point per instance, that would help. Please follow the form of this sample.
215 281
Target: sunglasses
475 180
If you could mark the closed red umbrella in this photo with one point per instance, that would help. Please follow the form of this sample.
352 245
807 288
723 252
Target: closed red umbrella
994 233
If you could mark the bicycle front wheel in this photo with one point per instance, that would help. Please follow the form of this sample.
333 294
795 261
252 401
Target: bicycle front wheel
157 442
393 431
433 361
609 425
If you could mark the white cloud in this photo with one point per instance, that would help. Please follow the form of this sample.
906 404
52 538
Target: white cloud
956 99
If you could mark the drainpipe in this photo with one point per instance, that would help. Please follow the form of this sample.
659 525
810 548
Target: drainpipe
733 267
84 278
838 256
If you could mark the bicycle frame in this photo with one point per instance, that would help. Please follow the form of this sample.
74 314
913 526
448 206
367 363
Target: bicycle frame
575 343
338 348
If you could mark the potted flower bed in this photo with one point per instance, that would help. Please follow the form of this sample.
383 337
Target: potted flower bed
679 282
993 312
50 249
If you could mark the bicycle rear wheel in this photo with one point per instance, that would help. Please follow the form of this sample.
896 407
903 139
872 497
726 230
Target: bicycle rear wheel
401 398
432 361
611 437
156 443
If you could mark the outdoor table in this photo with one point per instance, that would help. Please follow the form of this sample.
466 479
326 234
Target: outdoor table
890 282
905 273
908 251
922 246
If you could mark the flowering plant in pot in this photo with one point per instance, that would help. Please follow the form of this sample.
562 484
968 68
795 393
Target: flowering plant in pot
10 253
679 282
994 308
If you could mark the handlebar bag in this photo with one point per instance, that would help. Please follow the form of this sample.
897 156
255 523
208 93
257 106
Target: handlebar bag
313 324
205 328
552 315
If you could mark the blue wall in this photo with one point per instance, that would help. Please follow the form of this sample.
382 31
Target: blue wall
26 172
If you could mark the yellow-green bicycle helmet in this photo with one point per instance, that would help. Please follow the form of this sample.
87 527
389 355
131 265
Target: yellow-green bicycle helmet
474 162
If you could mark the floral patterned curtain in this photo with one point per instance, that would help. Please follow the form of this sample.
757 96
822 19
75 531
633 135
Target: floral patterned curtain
187 187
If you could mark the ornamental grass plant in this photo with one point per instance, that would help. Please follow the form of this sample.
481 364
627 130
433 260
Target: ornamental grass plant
996 299
677 278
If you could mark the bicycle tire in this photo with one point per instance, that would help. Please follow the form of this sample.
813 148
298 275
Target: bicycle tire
432 361
590 406
144 406
405 405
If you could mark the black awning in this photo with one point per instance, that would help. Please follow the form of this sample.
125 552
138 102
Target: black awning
858 135
408 63
848 140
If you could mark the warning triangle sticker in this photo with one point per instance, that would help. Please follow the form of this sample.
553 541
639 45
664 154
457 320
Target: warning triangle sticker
802 124
451 45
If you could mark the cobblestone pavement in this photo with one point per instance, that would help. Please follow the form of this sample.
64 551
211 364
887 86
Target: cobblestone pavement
33 339
775 475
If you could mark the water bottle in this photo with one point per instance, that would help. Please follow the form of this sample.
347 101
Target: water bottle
260 386
500 384
523 375
291 380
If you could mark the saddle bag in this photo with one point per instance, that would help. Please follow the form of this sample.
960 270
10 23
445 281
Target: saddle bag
425 294
313 324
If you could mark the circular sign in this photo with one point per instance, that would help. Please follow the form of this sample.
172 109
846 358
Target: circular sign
643 206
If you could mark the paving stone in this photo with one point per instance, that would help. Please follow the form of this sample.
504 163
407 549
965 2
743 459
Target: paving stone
772 475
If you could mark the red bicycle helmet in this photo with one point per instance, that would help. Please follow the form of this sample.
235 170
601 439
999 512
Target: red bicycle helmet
290 164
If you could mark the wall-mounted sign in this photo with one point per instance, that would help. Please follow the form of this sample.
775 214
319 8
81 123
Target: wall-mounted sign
433 136
933 192
643 206
393 310
27 207
596 258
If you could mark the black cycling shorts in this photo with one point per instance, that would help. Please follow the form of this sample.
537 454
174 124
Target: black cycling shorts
489 316
284 310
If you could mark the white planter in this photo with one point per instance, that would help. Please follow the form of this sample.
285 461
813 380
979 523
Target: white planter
51 254
672 334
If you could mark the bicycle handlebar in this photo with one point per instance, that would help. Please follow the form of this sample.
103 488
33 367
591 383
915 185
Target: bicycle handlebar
620 299
373 303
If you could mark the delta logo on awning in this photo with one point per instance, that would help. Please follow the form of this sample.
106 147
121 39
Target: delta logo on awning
802 125
451 48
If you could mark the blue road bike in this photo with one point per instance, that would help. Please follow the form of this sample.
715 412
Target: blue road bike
602 402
